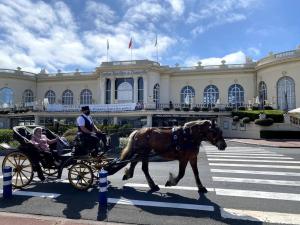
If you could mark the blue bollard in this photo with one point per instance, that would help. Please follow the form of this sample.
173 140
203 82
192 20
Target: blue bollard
103 187
7 185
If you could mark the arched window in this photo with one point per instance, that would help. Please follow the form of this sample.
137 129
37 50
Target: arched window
51 96
236 95
187 94
86 97
125 92
27 96
140 89
211 95
108 91
156 94
67 97
286 98
6 97
262 92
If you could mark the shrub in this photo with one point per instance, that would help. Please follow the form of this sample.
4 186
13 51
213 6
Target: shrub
6 135
228 109
267 107
254 107
246 120
216 109
279 134
276 115
235 118
177 109
166 109
204 109
242 108
196 109
264 122
186 109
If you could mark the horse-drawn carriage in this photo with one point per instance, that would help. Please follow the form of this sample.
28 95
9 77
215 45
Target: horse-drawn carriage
27 159
180 144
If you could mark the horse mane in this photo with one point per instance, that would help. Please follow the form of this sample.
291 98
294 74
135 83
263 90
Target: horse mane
196 122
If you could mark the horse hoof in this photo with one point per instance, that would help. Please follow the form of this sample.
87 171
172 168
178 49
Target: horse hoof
154 189
125 177
202 190
168 184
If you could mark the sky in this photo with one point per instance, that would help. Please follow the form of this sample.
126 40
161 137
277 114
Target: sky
73 34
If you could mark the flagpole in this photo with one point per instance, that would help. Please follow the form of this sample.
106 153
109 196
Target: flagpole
156 53
107 48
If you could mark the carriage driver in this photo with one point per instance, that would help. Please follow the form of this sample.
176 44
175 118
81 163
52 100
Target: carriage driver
88 131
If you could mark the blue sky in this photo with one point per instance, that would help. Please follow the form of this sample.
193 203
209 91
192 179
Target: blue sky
72 34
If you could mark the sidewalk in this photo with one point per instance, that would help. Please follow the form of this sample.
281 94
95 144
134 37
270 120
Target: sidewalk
27 219
268 143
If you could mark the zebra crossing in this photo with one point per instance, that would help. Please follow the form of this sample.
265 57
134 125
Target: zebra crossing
252 173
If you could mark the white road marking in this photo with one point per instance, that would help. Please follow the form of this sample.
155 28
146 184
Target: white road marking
246 156
257 181
242 154
254 165
261 216
34 194
238 151
273 173
258 194
254 160
164 187
176 205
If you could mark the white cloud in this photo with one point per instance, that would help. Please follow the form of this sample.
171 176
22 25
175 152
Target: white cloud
253 51
178 6
232 58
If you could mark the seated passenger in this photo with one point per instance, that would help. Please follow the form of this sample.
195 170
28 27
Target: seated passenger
41 141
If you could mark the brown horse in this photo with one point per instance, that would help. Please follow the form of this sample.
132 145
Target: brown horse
160 141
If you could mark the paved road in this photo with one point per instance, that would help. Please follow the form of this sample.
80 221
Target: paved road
245 183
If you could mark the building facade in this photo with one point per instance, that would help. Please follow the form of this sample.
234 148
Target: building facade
145 93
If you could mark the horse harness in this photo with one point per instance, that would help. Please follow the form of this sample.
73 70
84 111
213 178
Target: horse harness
181 138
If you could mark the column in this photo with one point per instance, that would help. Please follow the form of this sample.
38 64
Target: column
102 90
145 78
112 90
115 120
149 121
36 119
135 89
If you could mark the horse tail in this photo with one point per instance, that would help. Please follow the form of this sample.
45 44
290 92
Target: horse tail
127 150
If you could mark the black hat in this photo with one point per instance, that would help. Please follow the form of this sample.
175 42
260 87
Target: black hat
83 108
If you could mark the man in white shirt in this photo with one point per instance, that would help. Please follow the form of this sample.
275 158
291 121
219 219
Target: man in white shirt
87 130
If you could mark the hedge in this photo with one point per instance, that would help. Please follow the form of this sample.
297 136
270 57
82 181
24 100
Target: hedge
6 135
196 109
228 109
204 109
235 118
264 122
279 134
246 120
186 109
216 109
276 115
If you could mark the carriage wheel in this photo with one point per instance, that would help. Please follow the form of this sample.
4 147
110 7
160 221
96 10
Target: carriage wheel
81 176
22 171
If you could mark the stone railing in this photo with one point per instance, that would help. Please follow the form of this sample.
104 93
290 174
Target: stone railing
218 67
128 63
279 56
17 72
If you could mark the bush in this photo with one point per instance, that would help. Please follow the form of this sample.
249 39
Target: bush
6 135
228 109
264 122
186 109
246 120
204 109
216 109
242 108
177 109
166 109
279 134
196 109
254 107
267 107
276 115
61 128
235 118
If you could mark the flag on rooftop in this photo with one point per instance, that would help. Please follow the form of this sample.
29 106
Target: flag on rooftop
107 44
155 41
130 43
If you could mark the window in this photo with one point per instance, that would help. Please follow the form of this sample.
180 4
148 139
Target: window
27 96
156 94
108 92
67 97
286 99
6 97
140 89
236 95
187 94
86 97
262 92
125 92
211 95
51 96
